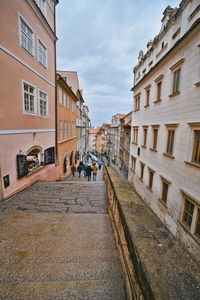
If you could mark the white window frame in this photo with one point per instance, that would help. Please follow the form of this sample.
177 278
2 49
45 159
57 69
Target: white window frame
65 129
21 18
60 130
43 44
43 9
47 104
60 96
68 131
35 99
64 99
67 101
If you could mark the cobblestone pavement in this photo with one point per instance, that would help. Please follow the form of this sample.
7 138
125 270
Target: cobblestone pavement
56 242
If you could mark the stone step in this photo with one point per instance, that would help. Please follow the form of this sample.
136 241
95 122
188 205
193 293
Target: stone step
60 272
57 256
59 290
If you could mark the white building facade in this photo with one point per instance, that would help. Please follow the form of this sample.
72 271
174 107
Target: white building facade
165 139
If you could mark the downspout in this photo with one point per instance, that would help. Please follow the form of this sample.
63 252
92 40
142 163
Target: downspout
56 132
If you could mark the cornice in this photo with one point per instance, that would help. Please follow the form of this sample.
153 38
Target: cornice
42 19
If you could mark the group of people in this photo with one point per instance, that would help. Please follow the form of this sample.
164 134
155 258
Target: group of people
88 170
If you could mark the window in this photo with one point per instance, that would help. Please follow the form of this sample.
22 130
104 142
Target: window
42 53
135 135
155 137
29 98
60 130
159 88
64 100
43 98
72 129
176 71
67 102
188 212
133 163
42 5
137 102
60 96
145 128
49 156
72 105
147 97
151 173
170 141
26 36
176 81
65 129
165 186
197 230
196 147
142 165
68 129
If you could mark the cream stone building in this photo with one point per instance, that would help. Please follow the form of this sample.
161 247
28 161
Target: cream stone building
165 147
115 137
27 95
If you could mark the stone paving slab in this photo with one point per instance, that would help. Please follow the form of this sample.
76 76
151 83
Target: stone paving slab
58 290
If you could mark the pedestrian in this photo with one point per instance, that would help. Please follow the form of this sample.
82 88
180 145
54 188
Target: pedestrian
100 164
94 170
88 172
84 169
73 170
79 169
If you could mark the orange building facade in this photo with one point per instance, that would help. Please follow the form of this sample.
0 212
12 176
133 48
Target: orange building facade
67 153
27 95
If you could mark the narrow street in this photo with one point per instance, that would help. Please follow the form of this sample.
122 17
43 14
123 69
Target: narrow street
57 243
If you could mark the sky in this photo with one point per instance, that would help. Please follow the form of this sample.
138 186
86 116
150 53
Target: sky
101 40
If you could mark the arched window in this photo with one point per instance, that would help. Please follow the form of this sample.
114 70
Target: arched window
71 158
34 157
66 162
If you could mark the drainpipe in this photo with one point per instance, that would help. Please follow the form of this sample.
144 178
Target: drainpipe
56 132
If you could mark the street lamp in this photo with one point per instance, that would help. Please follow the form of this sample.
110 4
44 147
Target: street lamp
109 143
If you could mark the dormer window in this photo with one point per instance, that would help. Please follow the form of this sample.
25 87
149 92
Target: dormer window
42 5
163 44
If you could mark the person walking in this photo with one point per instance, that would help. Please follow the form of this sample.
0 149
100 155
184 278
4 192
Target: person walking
79 169
100 164
94 170
88 172
73 170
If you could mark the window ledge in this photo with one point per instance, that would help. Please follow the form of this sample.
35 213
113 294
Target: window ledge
132 171
168 155
157 101
147 105
197 83
152 149
141 180
149 189
162 202
35 170
136 110
144 147
192 164
187 229
66 140
174 94
134 143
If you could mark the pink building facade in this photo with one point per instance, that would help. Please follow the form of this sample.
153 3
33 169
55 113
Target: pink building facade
27 94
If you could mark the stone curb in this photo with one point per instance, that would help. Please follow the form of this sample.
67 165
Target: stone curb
164 268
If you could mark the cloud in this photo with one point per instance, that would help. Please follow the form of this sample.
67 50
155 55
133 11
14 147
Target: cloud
101 40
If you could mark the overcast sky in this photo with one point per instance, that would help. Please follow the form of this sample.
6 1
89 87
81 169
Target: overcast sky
101 40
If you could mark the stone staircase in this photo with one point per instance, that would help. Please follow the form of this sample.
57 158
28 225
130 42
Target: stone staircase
57 243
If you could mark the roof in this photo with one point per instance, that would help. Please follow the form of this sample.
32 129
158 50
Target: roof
94 131
121 116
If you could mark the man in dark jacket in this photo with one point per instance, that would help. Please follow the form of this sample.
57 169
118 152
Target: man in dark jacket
88 172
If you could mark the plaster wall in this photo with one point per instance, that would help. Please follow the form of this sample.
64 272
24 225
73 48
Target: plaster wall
181 110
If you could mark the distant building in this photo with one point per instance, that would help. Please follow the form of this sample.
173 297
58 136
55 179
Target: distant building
165 146
66 124
27 97
115 137
124 145
92 139
82 118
